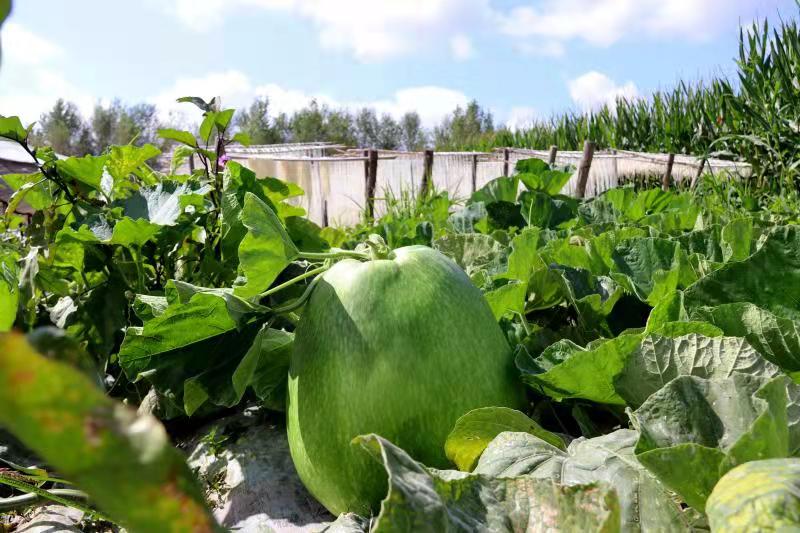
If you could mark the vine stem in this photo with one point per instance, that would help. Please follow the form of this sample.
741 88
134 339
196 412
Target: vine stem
339 254
299 302
309 274
26 500
51 495
59 183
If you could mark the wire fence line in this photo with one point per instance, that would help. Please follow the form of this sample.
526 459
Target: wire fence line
341 183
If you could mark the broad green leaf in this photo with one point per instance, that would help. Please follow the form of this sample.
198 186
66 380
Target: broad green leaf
497 190
571 252
481 256
738 239
502 215
266 250
94 441
531 166
524 257
660 359
566 370
627 369
265 368
161 204
11 127
674 330
757 496
9 290
190 352
476 429
601 248
40 195
16 199
466 219
645 504
238 181
148 307
204 317
508 300
133 233
593 296
548 181
656 268
70 244
207 127
183 137
180 155
636 206
775 338
125 160
674 221
546 289
239 309
769 279
279 190
305 234
5 9
669 309
223 118
242 138
426 500
87 170
544 211
707 242
199 102
694 430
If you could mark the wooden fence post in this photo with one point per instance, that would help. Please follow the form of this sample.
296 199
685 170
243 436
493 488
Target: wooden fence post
584 168
474 172
700 170
427 174
615 168
667 182
551 159
506 154
371 176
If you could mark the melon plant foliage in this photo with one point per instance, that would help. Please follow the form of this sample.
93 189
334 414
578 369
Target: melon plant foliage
521 360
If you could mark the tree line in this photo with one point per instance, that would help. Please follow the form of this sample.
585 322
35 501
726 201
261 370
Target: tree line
65 129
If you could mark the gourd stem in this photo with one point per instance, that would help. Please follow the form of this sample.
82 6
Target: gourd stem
339 254
299 302
293 281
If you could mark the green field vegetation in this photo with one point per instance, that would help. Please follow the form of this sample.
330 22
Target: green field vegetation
519 360
634 319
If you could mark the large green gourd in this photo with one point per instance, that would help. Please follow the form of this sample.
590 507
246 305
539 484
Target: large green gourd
401 347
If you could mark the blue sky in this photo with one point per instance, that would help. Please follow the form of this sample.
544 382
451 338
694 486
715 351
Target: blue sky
521 58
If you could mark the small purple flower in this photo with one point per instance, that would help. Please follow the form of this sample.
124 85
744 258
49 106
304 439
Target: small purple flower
224 160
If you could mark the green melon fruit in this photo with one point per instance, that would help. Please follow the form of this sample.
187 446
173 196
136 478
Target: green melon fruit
400 347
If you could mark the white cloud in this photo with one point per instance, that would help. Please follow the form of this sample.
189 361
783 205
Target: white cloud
237 90
594 89
606 22
370 30
31 79
541 48
232 86
521 118
431 102
461 47
26 48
